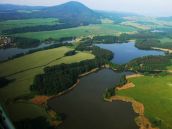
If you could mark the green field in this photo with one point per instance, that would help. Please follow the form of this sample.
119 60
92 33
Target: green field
10 24
165 40
156 95
23 80
136 25
149 22
99 29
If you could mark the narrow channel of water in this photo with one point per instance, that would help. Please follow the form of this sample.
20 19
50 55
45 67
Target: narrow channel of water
85 108
9 52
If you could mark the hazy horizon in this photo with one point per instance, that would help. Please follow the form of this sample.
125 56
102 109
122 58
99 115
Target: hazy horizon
146 7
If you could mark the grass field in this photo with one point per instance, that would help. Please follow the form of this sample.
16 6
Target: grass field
136 25
156 95
10 24
23 80
170 67
150 22
165 40
99 29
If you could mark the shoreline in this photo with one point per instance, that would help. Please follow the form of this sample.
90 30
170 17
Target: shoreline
162 49
141 120
41 100
138 108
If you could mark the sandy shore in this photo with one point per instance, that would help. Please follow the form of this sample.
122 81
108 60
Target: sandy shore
162 49
126 86
134 76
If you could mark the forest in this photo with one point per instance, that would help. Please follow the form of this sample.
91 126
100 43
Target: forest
58 78
149 63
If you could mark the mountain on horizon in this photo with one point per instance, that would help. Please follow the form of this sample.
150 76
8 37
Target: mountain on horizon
68 12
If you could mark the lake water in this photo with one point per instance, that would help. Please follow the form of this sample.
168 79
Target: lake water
125 52
9 52
85 108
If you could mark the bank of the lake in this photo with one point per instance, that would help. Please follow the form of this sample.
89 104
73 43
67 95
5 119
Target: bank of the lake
85 108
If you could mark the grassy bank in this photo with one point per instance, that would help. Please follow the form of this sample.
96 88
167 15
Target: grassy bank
156 94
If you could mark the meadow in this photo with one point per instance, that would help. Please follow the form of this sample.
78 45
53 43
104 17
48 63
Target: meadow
156 95
99 29
23 80
11 24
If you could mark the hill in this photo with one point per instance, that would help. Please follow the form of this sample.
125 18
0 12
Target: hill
71 12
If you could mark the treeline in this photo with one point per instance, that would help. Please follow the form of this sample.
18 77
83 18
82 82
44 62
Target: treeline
149 43
4 81
36 123
58 78
149 63
111 91
111 39
22 42
86 44
39 28
38 49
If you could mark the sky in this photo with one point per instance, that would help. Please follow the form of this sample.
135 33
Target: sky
144 7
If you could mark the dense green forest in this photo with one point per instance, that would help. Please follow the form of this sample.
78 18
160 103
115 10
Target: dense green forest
58 78
149 63
26 42
36 123
61 77
149 43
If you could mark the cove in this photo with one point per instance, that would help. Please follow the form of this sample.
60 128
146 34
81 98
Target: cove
125 52
85 108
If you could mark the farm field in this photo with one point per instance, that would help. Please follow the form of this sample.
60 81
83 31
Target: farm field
23 80
99 29
156 95
165 40
11 24
136 25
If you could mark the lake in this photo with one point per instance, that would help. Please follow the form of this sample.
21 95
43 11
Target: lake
125 52
85 108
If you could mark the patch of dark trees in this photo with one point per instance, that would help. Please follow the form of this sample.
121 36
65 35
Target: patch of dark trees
4 81
149 63
36 50
58 78
40 28
111 91
70 53
149 43
24 43
36 123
